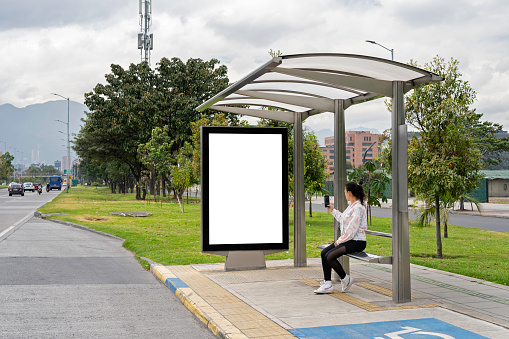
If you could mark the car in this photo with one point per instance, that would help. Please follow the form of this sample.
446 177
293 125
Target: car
15 188
28 186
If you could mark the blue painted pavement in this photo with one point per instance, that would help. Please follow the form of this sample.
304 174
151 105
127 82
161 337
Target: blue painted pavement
174 283
427 328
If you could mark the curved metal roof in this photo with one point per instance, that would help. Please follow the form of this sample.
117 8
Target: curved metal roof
309 84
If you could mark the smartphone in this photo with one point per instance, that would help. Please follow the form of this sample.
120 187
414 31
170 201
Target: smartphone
326 200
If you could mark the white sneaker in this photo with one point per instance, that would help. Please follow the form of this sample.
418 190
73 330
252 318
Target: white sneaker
346 283
325 287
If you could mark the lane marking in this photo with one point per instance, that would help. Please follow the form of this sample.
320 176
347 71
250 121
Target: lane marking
7 230
18 223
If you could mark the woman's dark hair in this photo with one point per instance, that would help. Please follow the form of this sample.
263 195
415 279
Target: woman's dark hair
356 189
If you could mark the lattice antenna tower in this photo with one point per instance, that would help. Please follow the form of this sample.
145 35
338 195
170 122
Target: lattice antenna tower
145 40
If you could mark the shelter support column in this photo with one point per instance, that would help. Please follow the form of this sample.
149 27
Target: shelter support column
299 211
340 171
401 289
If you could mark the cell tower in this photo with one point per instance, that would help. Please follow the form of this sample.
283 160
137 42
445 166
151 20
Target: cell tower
145 40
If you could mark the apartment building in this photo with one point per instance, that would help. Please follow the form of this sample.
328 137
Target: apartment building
361 146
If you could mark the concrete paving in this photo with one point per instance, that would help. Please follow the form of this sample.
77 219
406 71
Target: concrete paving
278 302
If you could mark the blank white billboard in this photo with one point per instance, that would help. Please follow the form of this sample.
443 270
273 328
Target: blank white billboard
245 188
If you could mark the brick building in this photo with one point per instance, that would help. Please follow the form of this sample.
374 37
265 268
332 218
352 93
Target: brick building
357 143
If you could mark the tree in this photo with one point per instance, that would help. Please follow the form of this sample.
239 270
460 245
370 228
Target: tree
6 166
314 167
181 172
484 134
374 183
157 153
444 161
135 100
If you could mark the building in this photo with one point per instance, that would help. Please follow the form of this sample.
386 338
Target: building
361 146
64 164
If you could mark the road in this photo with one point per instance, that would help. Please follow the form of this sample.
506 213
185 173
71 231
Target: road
57 281
487 223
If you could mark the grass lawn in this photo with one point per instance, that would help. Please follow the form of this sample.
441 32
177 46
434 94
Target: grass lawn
170 237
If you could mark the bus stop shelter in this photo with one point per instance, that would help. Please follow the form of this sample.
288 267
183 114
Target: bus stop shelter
296 87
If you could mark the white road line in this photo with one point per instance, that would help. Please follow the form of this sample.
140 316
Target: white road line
7 230
22 221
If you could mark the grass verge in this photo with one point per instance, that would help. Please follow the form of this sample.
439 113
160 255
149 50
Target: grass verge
170 237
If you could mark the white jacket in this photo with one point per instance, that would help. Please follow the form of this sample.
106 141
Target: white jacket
353 222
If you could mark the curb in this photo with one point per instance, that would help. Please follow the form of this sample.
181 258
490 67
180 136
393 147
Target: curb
67 223
194 303
477 214
480 214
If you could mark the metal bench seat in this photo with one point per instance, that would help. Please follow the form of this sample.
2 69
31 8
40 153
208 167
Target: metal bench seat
365 256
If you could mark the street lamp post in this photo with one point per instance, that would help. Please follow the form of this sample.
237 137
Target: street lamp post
389 49
68 145
14 162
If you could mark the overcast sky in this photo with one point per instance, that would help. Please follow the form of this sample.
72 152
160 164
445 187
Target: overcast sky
67 46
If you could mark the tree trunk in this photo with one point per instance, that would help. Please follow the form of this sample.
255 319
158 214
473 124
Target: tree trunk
446 234
310 206
138 188
151 184
164 186
462 204
437 219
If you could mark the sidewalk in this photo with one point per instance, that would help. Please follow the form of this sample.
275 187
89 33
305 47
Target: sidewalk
487 209
278 302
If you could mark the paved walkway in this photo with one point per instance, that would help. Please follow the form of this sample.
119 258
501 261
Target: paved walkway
278 302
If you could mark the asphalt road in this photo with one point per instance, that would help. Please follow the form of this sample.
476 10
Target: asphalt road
487 223
58 281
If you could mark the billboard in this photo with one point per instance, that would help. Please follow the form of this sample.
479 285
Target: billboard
244 179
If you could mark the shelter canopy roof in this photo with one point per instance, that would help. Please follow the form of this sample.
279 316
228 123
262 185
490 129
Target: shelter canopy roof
309 84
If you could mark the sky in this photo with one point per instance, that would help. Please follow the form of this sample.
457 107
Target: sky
67 47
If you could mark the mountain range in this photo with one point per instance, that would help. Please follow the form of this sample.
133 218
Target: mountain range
34 133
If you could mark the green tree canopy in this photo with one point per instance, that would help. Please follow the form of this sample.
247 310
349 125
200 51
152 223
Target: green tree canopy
6 166
133 101
444 162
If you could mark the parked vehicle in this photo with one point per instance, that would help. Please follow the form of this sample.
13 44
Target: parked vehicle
28 186
15 188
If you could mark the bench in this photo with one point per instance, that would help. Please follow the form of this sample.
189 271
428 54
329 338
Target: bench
368 257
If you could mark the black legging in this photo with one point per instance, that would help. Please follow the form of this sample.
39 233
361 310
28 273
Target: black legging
331 253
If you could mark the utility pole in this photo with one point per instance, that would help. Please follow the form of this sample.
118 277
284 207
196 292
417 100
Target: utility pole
68 144
145 40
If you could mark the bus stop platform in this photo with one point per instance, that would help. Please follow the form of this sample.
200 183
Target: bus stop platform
278 302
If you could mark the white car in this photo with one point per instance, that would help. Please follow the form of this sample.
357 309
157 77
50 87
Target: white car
28 186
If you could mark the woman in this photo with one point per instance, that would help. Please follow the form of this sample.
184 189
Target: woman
353 224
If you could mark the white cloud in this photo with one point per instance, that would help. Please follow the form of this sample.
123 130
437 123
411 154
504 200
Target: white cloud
69 50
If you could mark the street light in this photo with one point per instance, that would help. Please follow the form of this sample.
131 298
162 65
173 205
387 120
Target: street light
68 145
364 156
14 162
389 49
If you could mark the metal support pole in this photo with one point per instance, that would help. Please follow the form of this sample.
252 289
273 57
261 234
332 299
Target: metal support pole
299 211
401 289
340 172
68 151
